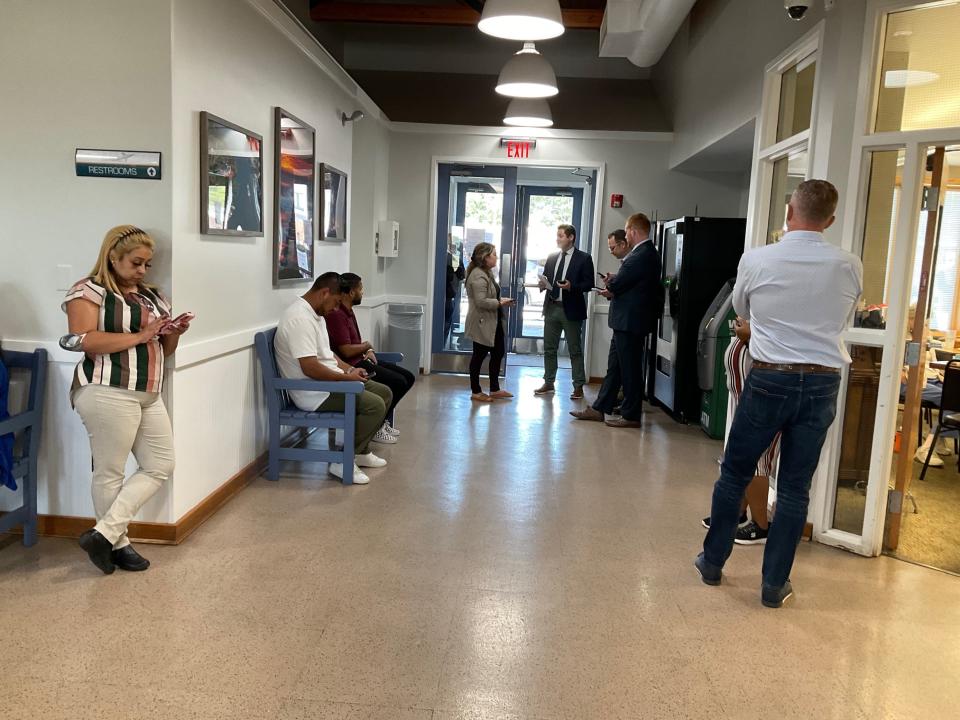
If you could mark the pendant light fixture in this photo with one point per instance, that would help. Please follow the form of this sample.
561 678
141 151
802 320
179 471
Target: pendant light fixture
528 112
527 74
522 19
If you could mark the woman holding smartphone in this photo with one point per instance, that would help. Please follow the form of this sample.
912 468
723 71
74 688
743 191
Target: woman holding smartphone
486 322
125 331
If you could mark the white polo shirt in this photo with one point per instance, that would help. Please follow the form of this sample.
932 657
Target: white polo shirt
800 295
302 333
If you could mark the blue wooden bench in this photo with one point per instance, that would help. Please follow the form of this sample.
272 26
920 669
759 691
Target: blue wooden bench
30 423
282 412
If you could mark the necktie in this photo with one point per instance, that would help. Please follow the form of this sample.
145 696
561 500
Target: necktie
558 276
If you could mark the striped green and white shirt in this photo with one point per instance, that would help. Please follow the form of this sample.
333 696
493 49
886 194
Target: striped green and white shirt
137 368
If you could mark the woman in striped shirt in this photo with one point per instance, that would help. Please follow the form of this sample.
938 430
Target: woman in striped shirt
126 332
737 362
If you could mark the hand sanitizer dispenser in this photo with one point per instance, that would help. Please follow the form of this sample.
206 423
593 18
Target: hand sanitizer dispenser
388 238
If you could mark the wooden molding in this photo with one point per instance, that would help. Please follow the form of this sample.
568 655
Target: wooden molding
66 526
430 15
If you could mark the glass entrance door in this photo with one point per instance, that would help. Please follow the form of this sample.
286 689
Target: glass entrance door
475 204
542 209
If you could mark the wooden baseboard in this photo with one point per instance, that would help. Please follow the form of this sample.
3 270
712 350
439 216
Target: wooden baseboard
65 526
595 381
808 531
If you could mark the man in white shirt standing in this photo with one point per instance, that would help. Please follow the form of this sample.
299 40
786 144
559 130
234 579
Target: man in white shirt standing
800 296
302 350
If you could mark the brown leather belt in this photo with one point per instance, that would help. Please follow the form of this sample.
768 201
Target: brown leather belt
791 367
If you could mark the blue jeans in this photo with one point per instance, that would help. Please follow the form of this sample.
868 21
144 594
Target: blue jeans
802 407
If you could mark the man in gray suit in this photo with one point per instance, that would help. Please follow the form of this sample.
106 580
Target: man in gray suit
636 296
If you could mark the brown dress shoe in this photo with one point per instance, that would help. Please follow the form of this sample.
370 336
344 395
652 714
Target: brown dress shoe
588 413
620 422
545 389
577 393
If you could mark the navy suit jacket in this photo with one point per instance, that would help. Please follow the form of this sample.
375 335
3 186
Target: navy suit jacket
637 292
580 275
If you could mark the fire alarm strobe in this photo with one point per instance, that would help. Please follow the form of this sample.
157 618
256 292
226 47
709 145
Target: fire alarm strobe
616 201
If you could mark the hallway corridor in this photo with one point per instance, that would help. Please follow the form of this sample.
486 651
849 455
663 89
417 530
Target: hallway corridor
510 563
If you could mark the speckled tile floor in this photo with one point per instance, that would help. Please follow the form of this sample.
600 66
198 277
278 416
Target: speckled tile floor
509 563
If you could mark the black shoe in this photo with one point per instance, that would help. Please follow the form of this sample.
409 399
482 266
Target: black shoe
126 558
751 534
710 574
740 523
772 597
99 549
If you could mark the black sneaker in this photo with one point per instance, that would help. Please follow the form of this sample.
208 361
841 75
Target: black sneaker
751 534
772 597
740 523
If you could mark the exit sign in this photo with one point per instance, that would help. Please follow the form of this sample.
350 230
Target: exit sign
518 147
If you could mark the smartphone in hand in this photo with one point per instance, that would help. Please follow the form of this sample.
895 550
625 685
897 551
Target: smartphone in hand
178 323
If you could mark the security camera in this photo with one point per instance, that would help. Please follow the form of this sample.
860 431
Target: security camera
796 9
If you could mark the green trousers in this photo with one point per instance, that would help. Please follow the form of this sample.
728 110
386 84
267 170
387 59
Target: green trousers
554 323
372 406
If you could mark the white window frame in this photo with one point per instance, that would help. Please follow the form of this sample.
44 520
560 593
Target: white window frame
766 149
892 338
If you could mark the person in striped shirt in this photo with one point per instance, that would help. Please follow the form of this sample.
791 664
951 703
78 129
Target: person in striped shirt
737 362
126 331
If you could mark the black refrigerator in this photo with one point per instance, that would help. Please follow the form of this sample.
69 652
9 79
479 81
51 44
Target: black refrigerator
698 256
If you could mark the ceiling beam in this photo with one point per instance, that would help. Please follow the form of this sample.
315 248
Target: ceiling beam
429 15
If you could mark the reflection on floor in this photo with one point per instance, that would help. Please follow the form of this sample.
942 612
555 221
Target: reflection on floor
932 535
510 562
535 361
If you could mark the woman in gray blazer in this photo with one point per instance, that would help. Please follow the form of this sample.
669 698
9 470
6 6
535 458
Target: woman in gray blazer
486 322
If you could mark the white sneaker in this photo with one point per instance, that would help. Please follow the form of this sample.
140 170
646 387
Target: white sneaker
384 437
359 476
921 456
944 450
370 461
390 429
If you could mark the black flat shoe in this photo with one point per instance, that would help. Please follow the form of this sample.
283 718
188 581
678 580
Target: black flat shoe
126 558
99 549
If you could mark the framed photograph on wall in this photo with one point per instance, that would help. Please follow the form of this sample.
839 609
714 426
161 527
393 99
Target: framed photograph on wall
333 204
294 173
231 178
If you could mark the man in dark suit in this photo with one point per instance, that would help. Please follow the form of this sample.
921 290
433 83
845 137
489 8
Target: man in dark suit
636 296
570 274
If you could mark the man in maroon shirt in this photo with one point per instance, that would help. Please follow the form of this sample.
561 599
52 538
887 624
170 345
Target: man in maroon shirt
346 342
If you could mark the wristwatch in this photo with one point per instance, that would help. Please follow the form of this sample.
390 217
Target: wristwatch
72 342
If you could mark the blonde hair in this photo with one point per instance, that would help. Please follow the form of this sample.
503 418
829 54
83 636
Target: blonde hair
118 241
480 253
639 222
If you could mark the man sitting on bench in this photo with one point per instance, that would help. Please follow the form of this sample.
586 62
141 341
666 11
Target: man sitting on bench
302 349
350 346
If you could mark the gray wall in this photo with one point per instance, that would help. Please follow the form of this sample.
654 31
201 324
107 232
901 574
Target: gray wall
711 77
637 169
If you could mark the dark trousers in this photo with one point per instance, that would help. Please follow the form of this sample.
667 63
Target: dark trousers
496 360
398 379
801 406
448 319
624 369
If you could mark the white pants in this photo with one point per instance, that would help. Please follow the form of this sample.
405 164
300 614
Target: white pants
121 421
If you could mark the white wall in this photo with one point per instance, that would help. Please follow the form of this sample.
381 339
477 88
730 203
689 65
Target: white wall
150 100
710 79
65 85
228 282
637 168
